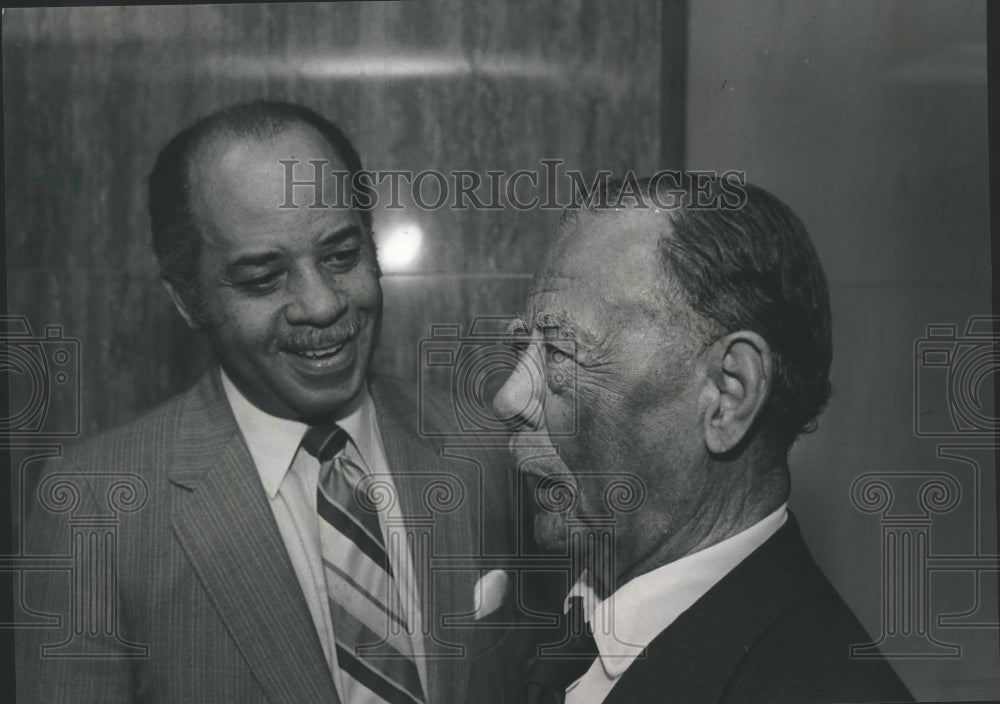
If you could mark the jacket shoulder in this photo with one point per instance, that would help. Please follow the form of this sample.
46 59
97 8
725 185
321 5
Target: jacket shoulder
136 442
805 656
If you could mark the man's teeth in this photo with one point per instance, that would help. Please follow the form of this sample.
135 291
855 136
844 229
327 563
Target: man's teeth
320 354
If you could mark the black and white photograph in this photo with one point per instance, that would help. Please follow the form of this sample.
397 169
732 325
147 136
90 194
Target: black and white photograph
412 352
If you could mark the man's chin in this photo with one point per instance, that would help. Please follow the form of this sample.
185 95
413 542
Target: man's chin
331 408
313 405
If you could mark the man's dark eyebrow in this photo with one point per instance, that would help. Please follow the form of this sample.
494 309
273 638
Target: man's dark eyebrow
252 261
341 233
262 259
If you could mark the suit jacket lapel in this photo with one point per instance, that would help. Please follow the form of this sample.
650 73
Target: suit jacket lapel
695 656
416 463
225 525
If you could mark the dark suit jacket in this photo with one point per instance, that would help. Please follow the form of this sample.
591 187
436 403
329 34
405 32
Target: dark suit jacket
202 578
774 630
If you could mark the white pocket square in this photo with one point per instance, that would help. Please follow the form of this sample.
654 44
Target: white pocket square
489 593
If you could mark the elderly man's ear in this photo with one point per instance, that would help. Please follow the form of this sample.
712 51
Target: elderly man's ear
737 383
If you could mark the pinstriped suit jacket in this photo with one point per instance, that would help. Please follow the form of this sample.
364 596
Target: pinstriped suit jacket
201 578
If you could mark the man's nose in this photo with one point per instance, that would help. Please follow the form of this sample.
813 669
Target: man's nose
316 299
518 403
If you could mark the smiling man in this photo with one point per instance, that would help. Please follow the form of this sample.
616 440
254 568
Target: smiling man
279 555
288 297
683 351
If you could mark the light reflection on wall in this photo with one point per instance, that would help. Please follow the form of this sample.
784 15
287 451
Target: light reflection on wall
399 247
380 65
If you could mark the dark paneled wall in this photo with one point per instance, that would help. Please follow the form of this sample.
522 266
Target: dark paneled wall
92 94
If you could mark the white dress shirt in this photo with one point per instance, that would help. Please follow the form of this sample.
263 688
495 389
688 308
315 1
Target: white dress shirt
273 443
628 620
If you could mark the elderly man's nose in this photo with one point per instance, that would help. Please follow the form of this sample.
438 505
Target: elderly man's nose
518 401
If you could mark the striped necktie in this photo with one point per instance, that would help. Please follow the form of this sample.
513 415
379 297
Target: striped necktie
373 648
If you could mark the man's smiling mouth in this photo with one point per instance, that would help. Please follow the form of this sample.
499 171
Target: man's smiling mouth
323 356
322 353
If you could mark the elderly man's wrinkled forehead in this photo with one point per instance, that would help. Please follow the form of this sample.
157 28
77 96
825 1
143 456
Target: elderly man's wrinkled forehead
614 252
603 280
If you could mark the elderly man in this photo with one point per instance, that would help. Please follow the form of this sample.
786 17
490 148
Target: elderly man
278 548
683 348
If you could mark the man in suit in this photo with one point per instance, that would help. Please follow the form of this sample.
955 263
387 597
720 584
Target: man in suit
683 331
273 528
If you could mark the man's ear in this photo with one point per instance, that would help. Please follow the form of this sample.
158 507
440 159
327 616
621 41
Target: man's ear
738 383
180 304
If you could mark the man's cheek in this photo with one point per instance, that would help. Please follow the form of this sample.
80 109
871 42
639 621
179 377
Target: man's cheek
596 409
560 415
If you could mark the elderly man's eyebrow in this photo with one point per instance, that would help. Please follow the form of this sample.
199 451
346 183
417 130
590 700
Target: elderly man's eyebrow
559 326
517 328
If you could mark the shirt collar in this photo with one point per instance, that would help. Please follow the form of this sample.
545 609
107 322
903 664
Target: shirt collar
273 441
628 620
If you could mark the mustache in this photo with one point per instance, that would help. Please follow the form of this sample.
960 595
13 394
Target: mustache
316 338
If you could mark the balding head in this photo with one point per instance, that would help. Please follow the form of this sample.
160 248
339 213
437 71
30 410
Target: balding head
177 233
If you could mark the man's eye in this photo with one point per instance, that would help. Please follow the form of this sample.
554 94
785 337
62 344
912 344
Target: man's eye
344 258
261 284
